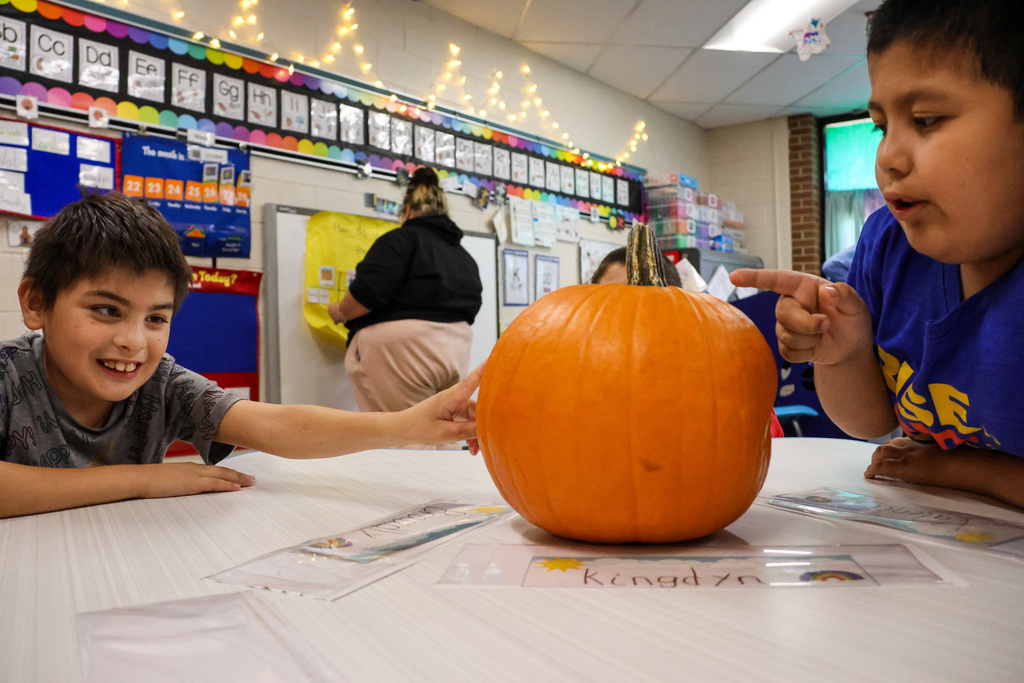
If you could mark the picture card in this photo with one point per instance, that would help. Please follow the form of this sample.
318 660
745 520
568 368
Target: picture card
948 526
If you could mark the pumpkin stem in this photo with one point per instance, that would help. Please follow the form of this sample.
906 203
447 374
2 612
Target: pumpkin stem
643 258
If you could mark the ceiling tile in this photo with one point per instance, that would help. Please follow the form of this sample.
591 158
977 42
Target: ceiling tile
688 111
732 114
710 75
574 56
788 79
591 21
496 17
678 23
636 70
850 90
847 34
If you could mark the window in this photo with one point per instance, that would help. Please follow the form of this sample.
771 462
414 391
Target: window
851 194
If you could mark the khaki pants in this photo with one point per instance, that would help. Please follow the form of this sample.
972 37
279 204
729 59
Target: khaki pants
395 365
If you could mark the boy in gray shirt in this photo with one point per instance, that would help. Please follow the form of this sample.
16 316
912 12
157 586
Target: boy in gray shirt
91 385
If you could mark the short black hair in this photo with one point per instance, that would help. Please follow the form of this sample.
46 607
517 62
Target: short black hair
618 255
989 32
100 232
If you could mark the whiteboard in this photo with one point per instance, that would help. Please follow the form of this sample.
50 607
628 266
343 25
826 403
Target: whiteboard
300 367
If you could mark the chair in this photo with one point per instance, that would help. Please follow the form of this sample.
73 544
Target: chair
792 414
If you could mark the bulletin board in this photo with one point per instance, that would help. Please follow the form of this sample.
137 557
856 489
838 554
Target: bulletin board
335 244
301 368
42 167
202 191
216 331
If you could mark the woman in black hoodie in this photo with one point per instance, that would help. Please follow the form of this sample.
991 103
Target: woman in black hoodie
410 306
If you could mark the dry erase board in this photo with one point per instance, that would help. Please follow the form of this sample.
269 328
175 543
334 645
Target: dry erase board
302 369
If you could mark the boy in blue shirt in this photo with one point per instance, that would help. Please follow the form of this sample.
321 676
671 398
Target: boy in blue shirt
926 334
96 387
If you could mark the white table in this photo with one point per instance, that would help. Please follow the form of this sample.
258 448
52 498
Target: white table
407 628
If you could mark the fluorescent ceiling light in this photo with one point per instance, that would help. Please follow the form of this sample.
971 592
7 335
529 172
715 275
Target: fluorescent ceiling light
764 25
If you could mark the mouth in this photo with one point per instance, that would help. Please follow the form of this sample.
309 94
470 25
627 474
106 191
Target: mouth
120 366
902 205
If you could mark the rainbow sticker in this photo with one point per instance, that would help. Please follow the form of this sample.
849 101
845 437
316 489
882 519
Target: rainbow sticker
833 575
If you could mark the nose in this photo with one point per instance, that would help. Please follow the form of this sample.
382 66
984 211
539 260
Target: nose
130 337
893 158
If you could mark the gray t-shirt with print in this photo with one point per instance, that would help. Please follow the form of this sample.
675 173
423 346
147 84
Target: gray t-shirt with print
36 429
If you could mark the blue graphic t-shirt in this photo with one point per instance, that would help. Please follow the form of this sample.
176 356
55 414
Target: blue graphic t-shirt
954 368
36 428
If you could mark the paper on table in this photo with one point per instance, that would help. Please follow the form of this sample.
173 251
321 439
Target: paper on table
719 285
228 637
1004 538
576 566
333 566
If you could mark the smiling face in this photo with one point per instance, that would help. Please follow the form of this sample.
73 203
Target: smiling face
103 338
951 161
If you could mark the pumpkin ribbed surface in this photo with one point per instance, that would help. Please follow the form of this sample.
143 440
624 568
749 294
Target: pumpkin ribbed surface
620 413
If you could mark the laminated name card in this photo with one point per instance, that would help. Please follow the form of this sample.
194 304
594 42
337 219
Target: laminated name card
958 528
692 568
333 566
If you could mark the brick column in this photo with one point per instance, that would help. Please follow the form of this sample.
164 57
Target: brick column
805 193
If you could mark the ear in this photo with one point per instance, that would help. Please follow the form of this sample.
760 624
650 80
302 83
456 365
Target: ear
32 309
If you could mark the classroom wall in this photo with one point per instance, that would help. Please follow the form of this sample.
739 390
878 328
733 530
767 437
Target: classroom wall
749 165
746 164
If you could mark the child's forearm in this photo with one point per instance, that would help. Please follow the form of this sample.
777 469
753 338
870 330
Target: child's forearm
854 396
26 490
302 431
991 473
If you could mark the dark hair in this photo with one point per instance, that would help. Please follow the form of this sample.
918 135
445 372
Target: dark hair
618 255
989 32
100 232
424 196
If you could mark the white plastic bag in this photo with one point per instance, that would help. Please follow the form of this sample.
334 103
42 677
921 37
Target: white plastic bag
228 637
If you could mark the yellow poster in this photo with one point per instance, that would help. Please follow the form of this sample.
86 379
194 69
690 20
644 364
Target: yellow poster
335 244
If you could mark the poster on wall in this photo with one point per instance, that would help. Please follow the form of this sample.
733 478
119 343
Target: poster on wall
43 168
516 277
202 191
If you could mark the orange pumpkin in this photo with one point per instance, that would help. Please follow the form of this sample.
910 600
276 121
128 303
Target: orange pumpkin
624 413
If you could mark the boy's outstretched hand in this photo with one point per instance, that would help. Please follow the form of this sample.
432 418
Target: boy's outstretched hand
816 320
447 416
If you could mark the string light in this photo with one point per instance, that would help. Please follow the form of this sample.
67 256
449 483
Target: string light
639 135
244 28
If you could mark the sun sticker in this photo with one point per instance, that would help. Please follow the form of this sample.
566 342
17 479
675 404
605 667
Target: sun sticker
490 509
975 536
563 563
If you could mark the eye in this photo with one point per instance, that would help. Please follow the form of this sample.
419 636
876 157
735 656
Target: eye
158 320
879 127
106 311
927 121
